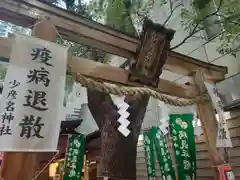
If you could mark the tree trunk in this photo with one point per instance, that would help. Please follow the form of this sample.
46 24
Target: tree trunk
118 153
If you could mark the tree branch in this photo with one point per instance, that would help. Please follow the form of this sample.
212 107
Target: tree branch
171 11
205 26
194 31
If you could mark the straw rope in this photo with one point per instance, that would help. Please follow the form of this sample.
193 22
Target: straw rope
130 91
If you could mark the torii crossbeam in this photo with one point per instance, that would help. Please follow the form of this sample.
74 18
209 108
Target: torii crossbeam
106 72
79 29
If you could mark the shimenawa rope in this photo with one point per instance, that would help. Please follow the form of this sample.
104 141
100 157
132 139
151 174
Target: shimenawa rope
123 90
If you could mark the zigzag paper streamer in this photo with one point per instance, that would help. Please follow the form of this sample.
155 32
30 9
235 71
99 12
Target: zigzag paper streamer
122 106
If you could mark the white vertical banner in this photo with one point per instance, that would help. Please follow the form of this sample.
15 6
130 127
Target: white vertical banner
32 98
223 135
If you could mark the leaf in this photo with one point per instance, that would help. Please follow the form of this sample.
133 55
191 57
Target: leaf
201 4
228 18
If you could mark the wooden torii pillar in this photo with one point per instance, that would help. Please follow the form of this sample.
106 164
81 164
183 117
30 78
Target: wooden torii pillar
23 165
208 119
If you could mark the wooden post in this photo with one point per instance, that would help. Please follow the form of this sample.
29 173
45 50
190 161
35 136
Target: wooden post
207 117
18 165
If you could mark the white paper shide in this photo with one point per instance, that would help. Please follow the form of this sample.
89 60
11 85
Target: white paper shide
32 99
122 106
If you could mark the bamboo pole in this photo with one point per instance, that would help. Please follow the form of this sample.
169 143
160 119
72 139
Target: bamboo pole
22 165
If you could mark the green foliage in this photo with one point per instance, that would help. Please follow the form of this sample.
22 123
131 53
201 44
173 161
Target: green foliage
189 19
230 13
140 10
97 10
119 17
201 4
124 15
204 15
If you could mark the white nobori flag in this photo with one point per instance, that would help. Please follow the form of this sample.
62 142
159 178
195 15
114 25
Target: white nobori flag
32 99
223 135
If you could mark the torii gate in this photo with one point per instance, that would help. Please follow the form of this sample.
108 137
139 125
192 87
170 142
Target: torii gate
81 30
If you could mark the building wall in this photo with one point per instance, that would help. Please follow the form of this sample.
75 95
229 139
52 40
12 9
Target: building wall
204 166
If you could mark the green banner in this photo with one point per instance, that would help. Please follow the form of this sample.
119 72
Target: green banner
163 155
74 158
155 140
149 155
182 134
